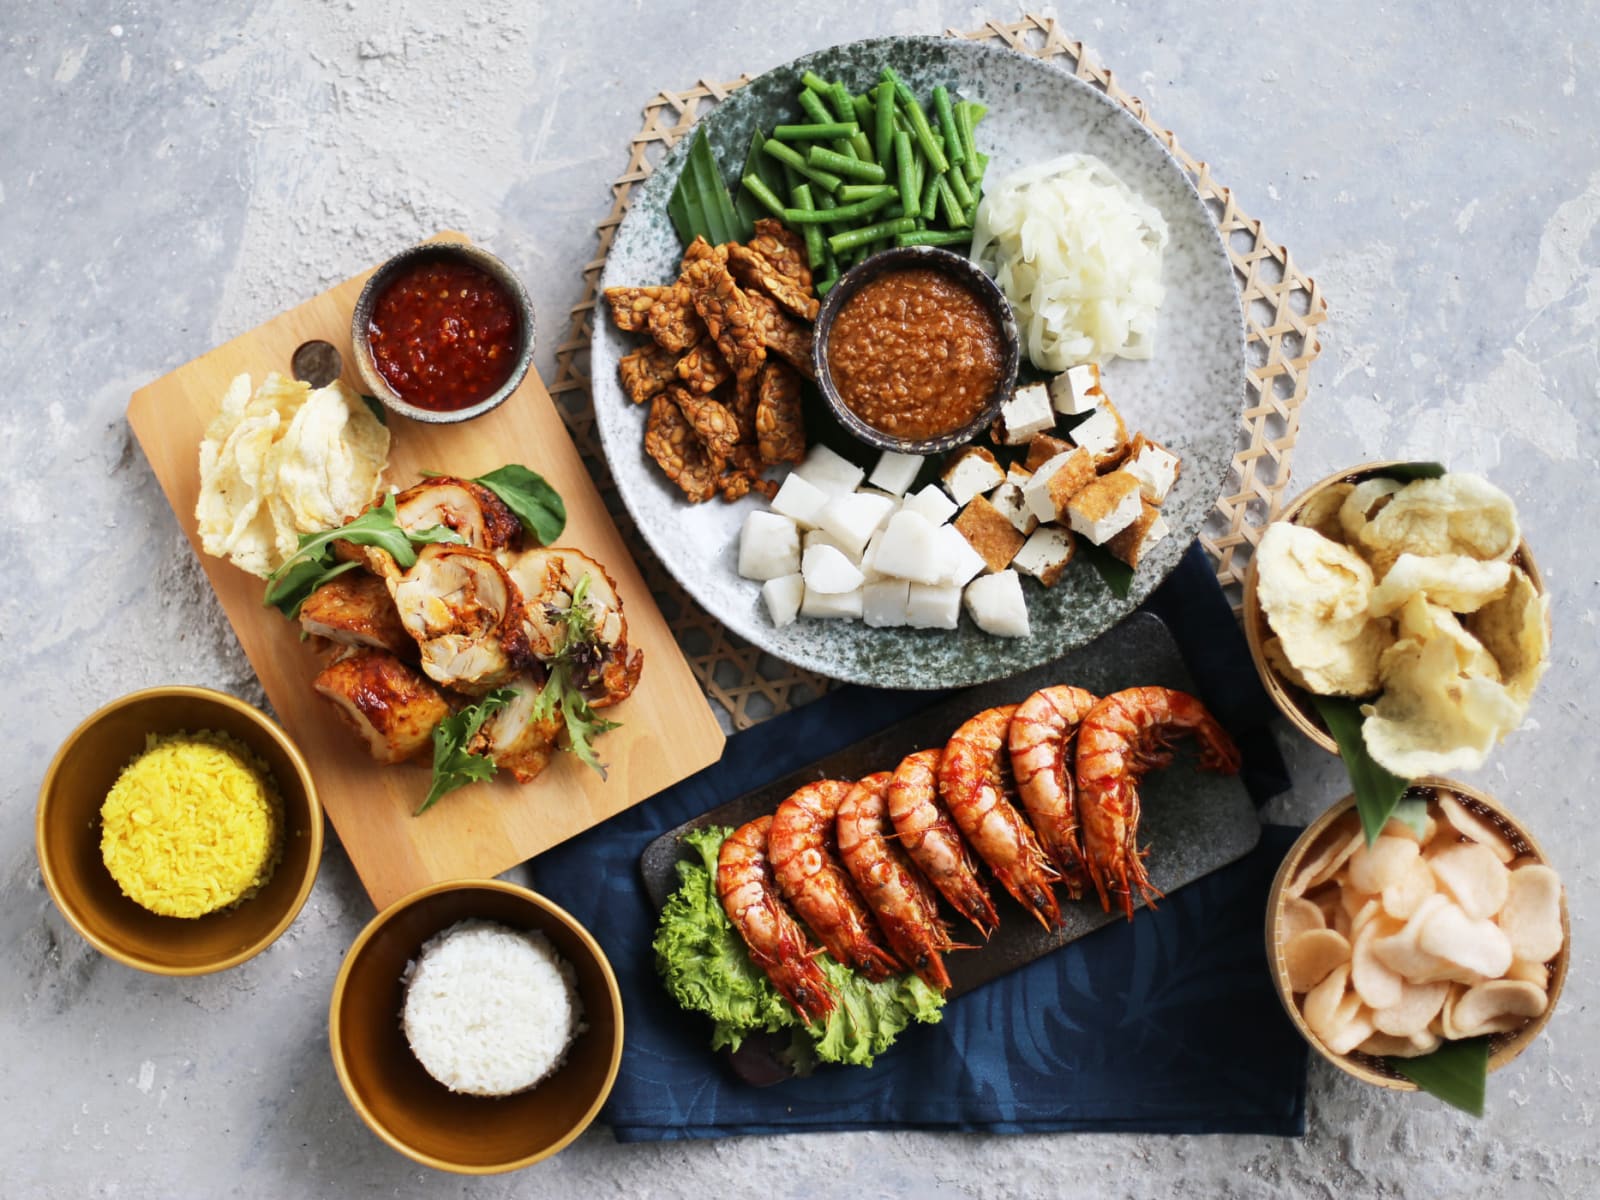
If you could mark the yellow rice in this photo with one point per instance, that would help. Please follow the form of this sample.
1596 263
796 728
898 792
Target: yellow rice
192 825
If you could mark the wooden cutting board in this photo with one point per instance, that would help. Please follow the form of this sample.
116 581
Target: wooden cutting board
668 731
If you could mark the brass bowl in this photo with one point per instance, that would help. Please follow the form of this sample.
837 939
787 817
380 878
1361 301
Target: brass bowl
67 834
1503 1047
1293 701
410 1110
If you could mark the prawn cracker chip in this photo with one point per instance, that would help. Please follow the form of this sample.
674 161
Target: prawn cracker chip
1515 629
1423 622
1453 514
1321 512
1362 503
1431 719
1455 581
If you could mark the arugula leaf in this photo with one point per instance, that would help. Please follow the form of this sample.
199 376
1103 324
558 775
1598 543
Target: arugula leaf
453 766
578 644
1378 791
537 505
700 205
1117 574
1457 1073
313 563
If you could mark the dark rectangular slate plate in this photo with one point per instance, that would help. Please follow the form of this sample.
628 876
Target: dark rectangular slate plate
1193 821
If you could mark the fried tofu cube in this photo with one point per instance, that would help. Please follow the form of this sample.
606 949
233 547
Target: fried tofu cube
1027 412
1042 448
1103 435
783 596
800 500
834 606
1077 390
1134 542
1105 507
933 606
990 532
974 471
997 604
1055 483
895 472
884 601
931 504
1008 502
1154 466
832 472
910 548
769 546
1046 553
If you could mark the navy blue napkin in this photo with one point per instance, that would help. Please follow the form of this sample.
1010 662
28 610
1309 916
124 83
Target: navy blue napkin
1167 1024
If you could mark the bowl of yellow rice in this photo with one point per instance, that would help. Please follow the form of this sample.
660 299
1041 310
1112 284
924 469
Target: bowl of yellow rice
178 830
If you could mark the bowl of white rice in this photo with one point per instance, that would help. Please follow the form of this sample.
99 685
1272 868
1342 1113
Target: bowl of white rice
476 1027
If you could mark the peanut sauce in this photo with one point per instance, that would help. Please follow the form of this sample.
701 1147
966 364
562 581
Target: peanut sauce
915 354
444 335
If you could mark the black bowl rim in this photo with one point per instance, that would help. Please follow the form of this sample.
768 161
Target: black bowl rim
463 251
965 271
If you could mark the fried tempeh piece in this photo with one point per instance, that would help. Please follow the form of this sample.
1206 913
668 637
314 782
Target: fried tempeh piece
673 321
757 271
682 455
703 370
712 423
630 306
780 423
700 248
727 313
784 249
645 372
789 338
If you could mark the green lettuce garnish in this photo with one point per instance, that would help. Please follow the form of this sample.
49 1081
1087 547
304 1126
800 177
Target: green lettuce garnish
706 968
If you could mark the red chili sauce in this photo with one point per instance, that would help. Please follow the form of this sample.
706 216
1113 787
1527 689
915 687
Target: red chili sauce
444 335
915 354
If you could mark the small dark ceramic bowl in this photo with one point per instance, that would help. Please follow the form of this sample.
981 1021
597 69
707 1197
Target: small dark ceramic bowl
461 252
963 271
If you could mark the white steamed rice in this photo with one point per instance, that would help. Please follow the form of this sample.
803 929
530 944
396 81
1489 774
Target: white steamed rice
490 1010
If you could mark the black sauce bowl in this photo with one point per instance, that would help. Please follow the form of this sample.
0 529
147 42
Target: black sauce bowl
441 251
964 272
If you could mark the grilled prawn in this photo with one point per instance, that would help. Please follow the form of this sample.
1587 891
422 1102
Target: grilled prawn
1120 738
925 830
1040 739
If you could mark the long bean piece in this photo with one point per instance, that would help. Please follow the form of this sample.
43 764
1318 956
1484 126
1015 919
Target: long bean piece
815 132
821 159
906 170
815 255
883 122
768 198
789 155
840 242
954 150
845 212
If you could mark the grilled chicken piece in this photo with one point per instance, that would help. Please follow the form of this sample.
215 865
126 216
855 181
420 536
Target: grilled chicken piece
357 610
393 708
465 614
607 673
513 739
469 508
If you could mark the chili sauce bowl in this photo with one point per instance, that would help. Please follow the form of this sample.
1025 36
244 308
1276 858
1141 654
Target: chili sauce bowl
962 271
444 252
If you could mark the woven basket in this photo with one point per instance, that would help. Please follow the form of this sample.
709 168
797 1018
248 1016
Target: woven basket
1293 701
1503 1047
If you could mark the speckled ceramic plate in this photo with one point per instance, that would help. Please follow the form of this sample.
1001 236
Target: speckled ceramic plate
1188 396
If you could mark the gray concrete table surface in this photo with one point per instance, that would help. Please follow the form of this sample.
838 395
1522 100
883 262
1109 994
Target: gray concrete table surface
172 174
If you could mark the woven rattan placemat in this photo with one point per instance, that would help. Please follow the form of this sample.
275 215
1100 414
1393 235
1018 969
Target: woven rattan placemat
1282 308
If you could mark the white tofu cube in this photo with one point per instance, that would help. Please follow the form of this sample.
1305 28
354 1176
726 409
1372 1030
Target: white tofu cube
895 472
1036 492
828 572
972 474
1078 390
1027 412
821 537
997 604
869 557
800 500
958 561
852 518
883 602
1155 468
1018 475
1099 435
783 596
1007 499
836 606
910 548
935 606
830 471
769 546
1045 554
931 504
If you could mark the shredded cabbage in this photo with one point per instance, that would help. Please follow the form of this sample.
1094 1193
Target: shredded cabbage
1078 254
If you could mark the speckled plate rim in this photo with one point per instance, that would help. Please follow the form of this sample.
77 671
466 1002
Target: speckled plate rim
1080 607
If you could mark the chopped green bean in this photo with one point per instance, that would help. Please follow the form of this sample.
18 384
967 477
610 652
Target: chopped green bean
923 132
901 91
821 159
865 115
976 166
863 147
785 153
978 109
815 82
954 215
906 168
870 233
930 196
845 212
964 129
815 133
811 104
843 102
933 237
813 233
851 192
768 198
825 285
954 151
883 121
958 185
